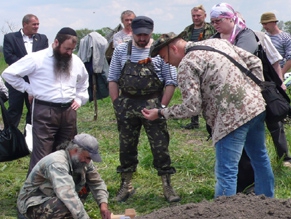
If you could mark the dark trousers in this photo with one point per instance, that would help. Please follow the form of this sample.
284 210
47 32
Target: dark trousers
195 120
129 121
245 170
279 139
16 100
51 127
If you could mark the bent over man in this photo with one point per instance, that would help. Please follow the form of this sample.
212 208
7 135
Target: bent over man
136 81
230 101
60 182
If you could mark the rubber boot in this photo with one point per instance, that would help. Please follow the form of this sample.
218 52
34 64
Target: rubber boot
126 189
169 192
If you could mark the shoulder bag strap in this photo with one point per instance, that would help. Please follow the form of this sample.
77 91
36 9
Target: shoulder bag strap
243 69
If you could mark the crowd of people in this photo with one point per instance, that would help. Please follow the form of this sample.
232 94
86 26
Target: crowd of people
143 75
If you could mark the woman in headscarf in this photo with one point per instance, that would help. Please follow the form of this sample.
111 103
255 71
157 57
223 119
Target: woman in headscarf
230 26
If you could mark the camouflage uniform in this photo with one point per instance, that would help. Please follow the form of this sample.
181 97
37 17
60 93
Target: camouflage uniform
140 87
51 189
228 99
206 33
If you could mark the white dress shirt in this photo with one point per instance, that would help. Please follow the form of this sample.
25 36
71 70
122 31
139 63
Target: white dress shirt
44 85
28 42
272 53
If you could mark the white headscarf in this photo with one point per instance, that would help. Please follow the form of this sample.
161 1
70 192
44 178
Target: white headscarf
225 10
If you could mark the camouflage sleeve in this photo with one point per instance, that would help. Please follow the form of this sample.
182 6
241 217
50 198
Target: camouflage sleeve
189 84
64 188
96 184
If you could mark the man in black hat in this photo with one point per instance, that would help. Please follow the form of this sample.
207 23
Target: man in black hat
135 82
58 185
58 87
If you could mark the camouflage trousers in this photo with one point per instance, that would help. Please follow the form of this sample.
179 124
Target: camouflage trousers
54 208
129 122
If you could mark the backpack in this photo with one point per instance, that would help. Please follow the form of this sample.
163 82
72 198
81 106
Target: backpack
269 72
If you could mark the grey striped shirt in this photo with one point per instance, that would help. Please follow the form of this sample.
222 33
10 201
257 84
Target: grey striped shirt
166 73
282 42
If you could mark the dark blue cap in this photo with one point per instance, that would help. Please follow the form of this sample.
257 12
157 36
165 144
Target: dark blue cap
142 25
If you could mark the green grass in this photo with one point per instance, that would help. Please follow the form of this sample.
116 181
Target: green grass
192 156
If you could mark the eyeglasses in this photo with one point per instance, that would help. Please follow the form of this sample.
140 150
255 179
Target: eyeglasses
218 21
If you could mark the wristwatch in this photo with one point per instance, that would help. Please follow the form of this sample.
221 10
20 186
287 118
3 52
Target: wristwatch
160 114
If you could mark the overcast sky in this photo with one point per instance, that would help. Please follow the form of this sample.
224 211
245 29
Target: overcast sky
168 15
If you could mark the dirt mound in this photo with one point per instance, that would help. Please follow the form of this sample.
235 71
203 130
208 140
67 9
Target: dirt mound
239 206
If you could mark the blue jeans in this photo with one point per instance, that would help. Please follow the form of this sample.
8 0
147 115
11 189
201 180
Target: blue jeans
250 136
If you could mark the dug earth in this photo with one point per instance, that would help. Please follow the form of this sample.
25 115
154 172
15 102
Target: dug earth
239 206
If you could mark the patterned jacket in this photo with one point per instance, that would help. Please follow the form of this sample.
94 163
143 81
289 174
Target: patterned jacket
210 83
206 33
53 176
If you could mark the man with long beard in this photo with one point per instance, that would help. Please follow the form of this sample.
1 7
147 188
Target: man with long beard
55 186
58 87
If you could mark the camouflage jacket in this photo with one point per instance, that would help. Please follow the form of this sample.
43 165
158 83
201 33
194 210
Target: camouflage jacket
210 83
53 176
207 32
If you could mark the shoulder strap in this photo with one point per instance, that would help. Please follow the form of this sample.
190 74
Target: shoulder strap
243 69
129 48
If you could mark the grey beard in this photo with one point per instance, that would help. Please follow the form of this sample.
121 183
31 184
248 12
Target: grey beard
78 167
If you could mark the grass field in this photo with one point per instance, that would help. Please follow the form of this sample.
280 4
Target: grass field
192 156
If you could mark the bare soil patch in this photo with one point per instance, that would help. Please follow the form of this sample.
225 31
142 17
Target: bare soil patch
239 206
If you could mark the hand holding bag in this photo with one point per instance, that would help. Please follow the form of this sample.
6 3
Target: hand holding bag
12 141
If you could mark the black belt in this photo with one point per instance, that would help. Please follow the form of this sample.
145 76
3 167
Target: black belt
46 103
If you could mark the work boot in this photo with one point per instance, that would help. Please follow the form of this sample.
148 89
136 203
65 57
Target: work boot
169 192
126 189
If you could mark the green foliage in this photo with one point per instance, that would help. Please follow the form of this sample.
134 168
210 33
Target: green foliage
155 36
104 31
280 25
3 64
287 27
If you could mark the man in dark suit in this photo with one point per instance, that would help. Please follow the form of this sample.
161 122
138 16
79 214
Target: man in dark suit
15 46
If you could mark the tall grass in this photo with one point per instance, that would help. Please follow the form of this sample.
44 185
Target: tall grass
192 156
3 64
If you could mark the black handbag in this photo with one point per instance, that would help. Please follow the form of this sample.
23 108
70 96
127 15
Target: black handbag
12 141
278 102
